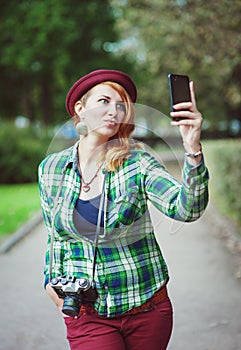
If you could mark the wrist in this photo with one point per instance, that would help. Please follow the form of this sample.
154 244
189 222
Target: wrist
194 151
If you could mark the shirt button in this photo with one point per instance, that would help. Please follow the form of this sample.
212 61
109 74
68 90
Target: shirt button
100 265
106 287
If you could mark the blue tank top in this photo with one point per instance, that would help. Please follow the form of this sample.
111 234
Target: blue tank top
86 215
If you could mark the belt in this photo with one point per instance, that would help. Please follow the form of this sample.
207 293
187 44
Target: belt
159 296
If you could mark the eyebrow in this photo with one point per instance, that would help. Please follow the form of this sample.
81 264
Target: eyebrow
109 98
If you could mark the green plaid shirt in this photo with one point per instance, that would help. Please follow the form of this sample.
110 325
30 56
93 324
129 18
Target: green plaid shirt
130 267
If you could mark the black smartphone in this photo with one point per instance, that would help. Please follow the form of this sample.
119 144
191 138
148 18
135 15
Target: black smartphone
179 90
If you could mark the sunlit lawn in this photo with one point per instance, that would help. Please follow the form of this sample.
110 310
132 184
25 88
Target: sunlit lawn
18 203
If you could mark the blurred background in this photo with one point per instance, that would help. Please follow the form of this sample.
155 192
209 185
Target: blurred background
47 45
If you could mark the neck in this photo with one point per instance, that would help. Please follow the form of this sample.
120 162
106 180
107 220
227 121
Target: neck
90 152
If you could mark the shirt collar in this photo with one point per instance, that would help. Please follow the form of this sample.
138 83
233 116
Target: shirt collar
72 160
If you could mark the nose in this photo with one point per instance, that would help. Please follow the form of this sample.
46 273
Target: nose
112 110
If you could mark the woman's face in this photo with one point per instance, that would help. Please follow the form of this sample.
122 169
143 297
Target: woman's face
103 112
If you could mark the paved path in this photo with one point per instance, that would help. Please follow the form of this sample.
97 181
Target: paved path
205 294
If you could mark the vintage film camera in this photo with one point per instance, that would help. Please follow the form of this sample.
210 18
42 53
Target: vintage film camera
75 292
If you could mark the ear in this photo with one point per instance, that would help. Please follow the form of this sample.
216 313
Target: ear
78 107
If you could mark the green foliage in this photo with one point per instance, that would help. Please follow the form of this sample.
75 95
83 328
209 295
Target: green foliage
18 204
224 163
46 46
21 150
198 38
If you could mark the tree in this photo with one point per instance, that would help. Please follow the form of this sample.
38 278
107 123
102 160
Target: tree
46 46
199 38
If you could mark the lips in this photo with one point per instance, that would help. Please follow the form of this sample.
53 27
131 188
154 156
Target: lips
110 123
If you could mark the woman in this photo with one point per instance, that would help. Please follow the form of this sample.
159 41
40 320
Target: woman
106 180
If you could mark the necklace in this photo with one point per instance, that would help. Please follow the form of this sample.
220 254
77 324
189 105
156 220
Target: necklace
86 186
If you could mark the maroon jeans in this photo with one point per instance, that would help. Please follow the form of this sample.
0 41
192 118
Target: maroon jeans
150 330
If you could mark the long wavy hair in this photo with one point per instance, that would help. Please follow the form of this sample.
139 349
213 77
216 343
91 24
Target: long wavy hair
118 147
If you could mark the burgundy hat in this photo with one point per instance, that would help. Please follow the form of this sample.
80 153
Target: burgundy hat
94 78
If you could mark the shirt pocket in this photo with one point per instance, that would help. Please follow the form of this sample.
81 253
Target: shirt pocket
128 206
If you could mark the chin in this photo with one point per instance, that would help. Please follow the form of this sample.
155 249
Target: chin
108 131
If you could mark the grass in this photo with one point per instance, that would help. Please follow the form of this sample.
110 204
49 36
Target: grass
17 205
223 161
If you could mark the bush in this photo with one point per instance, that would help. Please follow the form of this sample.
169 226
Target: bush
224 163
21 150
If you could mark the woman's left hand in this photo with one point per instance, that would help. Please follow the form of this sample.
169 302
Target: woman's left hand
190 124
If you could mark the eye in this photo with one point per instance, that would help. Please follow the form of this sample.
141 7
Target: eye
121 107
104 101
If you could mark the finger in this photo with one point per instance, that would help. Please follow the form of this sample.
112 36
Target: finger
191 84
187 122
185 114
183 106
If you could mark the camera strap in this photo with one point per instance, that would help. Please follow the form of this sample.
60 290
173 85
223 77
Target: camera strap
98 227
52 223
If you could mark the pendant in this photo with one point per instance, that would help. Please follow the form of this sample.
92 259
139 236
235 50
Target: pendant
86 188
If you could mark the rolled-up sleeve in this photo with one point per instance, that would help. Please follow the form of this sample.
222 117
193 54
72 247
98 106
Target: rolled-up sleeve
184 201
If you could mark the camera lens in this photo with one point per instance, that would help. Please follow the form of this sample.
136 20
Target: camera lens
72 305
